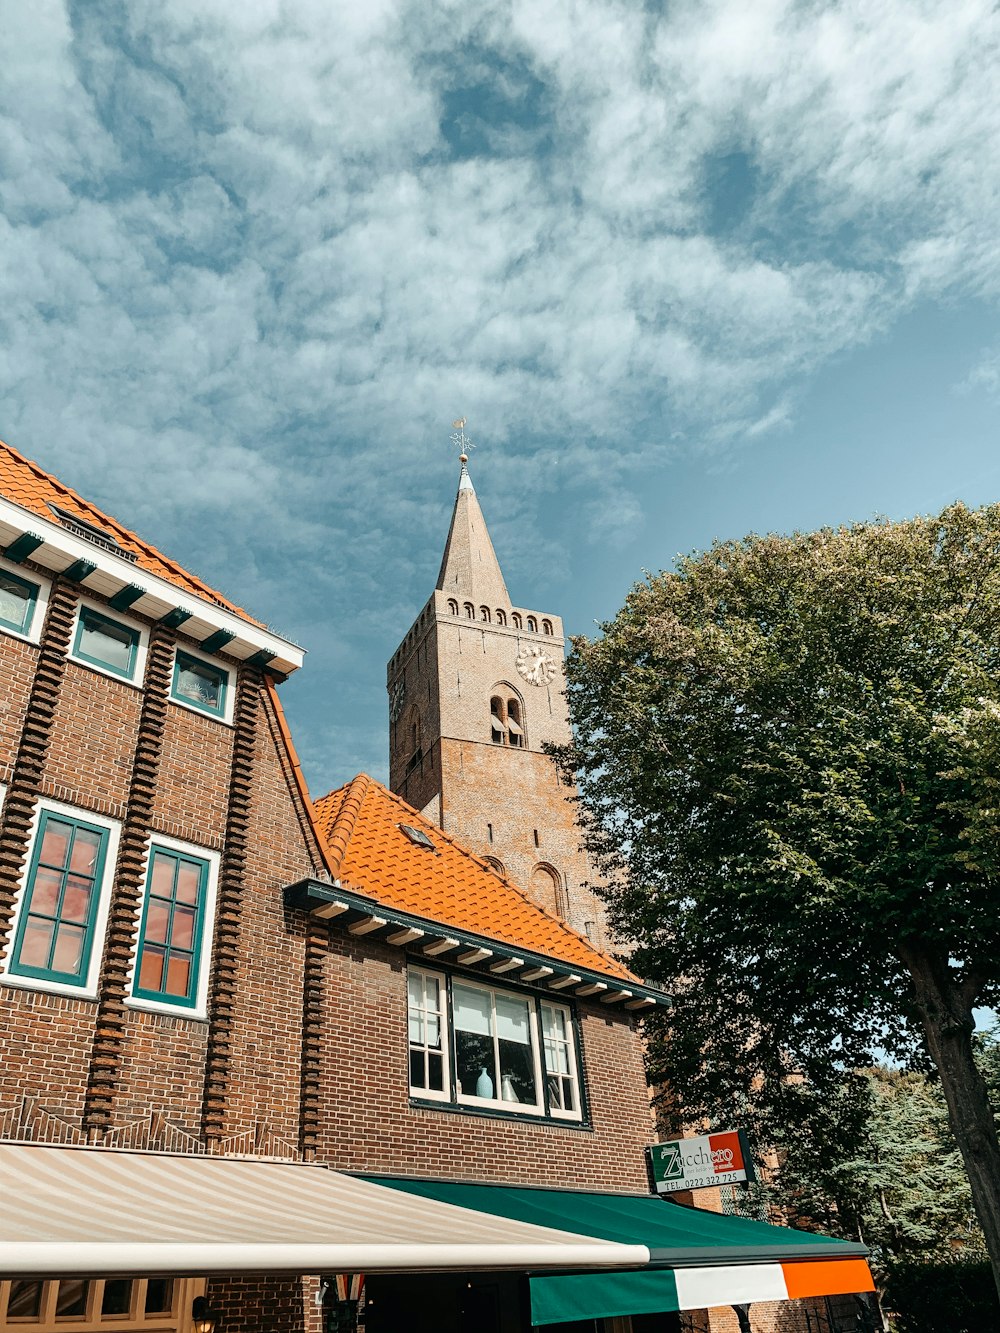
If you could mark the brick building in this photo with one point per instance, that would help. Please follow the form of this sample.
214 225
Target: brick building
216 1000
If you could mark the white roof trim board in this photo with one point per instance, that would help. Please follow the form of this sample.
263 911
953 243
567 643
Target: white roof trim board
80 1211
60 548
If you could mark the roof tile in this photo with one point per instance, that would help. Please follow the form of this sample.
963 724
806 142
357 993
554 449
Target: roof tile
450 886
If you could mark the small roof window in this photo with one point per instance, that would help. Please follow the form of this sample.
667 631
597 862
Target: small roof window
416 835
90 532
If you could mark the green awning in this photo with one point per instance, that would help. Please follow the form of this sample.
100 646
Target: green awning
696 1258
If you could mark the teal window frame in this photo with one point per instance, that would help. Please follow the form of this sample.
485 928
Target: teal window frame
161 996
182 660
18 969
32 590
102 619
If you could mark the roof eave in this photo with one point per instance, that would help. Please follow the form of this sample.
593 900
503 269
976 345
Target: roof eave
361 915
158 597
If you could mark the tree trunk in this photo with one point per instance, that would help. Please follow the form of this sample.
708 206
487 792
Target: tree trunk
946 1016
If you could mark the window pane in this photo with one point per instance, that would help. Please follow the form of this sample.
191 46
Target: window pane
199 683
159 1295
475 1064
517 1073
182 929
188 882
55 843
72 1297
110 644
178 976
86 848
17 600
472 1010
68 956
117 1298
157 921
435 1072
162 879
36 944
25 1300
151 969
417 1069
76 900
417 1027
512 1019
45 895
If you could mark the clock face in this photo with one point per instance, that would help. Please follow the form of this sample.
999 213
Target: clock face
536 666
396 701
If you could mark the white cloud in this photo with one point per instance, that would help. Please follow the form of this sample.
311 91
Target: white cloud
246 275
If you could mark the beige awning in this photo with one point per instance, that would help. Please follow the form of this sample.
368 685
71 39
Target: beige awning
93 1212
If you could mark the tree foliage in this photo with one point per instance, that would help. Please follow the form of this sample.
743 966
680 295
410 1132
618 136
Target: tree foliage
788 754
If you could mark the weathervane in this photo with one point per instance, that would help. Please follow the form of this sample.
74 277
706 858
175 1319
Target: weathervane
460 440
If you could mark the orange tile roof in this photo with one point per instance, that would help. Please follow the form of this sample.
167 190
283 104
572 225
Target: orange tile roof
26 484
370 855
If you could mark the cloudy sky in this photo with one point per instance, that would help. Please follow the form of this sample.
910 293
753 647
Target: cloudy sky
689 269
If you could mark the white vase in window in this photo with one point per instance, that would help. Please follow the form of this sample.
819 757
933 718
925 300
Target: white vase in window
484 1084
507 1092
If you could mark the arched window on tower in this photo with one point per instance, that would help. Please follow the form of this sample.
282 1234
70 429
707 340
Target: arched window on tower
498 721
546 626
546 888
532 625
516 619
452 607
484 613
515 729
470 611
501 616
495 865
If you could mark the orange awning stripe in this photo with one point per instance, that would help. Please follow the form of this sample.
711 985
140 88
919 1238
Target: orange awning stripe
827 1277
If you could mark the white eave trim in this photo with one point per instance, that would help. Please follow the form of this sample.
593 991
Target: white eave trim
60 549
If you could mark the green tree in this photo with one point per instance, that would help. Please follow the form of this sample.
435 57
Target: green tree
788 751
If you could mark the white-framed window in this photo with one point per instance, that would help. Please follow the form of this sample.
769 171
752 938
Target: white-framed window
202 684
112 644
24 597
427 1020
480 1046
175 919
61 909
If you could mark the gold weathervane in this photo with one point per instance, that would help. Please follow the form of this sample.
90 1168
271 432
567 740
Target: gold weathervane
460 440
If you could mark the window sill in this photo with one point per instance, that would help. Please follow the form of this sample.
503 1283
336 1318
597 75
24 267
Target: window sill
86 993
196 1014
509 1117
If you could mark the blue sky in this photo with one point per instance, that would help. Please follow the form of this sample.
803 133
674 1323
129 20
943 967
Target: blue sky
689 270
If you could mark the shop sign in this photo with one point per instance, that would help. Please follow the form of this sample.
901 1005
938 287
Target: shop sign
696 1163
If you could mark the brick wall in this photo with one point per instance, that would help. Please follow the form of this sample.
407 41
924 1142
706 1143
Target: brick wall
368 1124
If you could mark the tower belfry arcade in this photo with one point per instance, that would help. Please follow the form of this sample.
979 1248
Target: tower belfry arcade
476 690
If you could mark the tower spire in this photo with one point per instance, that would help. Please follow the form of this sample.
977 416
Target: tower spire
469 568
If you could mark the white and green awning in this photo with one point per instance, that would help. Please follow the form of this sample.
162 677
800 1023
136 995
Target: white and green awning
695 1258
92 1212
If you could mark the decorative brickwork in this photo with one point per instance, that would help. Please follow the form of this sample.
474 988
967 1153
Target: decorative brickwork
106 1056
35 738
225 968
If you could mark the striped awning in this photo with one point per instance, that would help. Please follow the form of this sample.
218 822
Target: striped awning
695 1258
80 1211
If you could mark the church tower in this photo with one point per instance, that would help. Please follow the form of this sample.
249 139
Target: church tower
475 692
